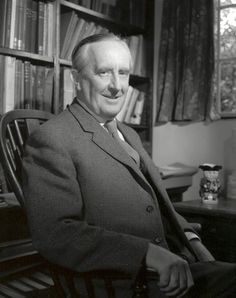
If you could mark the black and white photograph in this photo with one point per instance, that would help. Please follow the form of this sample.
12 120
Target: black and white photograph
118 148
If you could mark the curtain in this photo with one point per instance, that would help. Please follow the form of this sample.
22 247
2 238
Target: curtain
186 61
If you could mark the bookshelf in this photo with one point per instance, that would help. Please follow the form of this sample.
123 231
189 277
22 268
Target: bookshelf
33 34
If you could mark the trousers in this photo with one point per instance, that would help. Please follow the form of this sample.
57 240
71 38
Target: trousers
211 280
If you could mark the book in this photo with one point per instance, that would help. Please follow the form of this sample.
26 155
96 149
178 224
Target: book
8 23
121 115
48 89
50 29
141 58
89 30
45 30
28 23
70 39
40 23
22 87
9 84
75 37
12 23
18 83
138 109
131 105
3 14
33 33
17 25
27 86
67 91
68 23
22 27
40 85
84 29
133 42
33 86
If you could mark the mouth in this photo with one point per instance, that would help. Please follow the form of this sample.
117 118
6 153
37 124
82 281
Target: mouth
113 98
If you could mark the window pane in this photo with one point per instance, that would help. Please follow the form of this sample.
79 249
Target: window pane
228 86
228 32
227 2
216 29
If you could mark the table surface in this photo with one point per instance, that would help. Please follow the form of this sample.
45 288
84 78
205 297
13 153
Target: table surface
224 207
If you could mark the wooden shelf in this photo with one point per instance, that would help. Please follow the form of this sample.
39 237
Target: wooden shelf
26 55
64 62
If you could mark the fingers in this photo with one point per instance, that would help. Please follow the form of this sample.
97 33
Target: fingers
176 282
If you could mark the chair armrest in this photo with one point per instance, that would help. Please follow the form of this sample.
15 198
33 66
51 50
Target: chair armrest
196 226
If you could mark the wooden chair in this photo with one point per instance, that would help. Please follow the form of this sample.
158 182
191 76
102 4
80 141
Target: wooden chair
15 128
18 256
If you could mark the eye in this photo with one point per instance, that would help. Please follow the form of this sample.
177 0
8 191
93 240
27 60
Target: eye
103 73
124 72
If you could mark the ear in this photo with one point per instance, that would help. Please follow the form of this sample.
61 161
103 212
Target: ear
75 78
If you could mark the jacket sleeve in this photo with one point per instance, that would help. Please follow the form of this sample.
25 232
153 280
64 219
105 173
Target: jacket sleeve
54 206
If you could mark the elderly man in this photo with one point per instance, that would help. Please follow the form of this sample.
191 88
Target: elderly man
94 198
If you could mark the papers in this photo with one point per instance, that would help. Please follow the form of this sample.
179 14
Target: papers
177 169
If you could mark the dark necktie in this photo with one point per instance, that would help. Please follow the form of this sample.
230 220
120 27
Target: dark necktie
112 129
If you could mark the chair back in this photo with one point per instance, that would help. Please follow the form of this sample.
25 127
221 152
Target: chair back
15 128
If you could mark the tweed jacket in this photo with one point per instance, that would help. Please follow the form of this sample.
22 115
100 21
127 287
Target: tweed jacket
89 207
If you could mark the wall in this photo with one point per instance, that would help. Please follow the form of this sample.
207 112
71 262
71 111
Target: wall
193 144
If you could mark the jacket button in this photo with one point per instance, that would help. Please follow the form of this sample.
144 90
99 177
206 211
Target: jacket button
149 209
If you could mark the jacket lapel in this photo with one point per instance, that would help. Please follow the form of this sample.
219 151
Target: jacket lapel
103 140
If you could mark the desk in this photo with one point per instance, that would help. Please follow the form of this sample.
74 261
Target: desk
218 225
176 186
177 178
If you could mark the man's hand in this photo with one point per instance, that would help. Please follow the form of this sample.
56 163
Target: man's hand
175 278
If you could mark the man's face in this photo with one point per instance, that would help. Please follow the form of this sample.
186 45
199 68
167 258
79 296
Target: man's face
104 80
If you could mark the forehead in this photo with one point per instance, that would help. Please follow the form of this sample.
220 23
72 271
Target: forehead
108 53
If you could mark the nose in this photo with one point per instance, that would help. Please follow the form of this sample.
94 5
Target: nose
115 85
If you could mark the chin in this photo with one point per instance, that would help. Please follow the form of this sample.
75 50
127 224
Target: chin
109 115
111 111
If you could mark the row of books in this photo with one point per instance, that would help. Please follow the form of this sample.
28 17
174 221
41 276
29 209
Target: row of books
130 12
132 110
24 85
74 29
27 25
